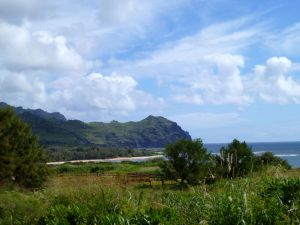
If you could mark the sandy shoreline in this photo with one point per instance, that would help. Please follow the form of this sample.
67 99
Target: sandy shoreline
118 159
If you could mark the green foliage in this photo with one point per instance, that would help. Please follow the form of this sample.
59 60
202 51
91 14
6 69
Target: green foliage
107 167
268 159
258 199
190 208
21 208
54 130
22 159
236 160
280 201
187 160
60 153
287 191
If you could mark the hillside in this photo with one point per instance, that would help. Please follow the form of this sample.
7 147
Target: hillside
55 129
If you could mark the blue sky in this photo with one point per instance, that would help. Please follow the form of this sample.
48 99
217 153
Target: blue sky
221 69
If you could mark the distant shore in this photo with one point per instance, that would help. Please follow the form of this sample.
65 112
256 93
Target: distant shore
118 159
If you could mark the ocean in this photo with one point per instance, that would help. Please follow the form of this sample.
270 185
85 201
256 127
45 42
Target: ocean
286 150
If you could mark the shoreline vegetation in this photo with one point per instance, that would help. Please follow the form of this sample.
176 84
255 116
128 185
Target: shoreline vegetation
188 186
267 197
118 193
63 153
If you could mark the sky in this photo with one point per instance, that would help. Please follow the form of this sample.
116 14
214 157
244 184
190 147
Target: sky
221 69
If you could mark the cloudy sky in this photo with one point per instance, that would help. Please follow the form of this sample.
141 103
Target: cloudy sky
221 69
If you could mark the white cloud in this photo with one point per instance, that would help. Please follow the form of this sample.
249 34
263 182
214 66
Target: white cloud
108 93
222 83
273 84
114 12
134 13
23 49
220 38
115 94
114 27
285 41
17 89
27 52
204 68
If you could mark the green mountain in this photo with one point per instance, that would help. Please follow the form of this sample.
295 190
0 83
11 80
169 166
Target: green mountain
37 112
55 129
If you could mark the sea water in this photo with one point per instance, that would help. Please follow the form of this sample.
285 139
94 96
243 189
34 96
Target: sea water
286 150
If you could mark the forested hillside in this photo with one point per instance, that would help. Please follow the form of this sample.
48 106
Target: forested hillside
54 129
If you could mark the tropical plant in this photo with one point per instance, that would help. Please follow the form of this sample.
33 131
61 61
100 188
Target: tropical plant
237 159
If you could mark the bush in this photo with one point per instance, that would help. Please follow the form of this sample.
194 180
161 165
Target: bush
236 160
268 159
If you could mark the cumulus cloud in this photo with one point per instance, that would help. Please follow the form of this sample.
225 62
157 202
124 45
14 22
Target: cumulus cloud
115 94
273 84
22 49
27 52
205 67
222 83
17 89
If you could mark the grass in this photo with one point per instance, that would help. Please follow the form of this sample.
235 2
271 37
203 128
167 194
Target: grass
107 167
92 200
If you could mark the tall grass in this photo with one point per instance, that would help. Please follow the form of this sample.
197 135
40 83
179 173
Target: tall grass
272 197
107 167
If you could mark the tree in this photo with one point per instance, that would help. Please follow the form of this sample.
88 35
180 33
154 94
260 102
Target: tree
187 160
22 159
237 159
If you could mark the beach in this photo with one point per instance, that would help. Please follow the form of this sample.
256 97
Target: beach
118 159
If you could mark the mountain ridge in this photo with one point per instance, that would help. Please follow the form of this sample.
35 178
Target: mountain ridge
53 129
38 112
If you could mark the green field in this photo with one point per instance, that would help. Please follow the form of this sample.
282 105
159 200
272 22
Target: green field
271 196
107 167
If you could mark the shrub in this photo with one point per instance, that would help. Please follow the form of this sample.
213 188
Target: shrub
268 159
237 159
